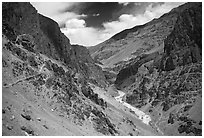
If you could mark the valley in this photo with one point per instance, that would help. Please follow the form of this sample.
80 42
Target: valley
143 81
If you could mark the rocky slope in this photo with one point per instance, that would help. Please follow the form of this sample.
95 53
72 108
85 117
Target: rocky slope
41 96
33 82
163 77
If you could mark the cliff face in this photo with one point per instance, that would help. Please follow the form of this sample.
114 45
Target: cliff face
86 65
184 44
19 18
59 43
22 18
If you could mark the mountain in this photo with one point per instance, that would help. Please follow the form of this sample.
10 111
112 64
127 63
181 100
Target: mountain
50 87
135 41
159 66
142 39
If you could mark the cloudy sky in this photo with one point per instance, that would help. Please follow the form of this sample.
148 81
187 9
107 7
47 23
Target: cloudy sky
90 23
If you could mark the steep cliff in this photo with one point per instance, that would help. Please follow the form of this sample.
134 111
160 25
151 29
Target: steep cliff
59 44
184 44
22 18
85 64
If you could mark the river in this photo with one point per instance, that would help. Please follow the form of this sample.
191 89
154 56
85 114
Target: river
142 116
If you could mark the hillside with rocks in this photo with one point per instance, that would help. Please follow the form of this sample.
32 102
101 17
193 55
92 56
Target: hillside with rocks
159 67
43 97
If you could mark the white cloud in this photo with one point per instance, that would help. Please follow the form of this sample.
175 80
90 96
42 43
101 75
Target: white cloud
75 24
130 20
157 11
78 33
51 8
125 21
63 17
86 36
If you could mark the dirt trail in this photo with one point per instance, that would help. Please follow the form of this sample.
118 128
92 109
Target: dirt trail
27 78
21 80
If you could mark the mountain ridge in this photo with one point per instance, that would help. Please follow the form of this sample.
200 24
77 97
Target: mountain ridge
107 43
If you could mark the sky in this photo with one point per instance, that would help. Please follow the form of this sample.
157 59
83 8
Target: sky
90 23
